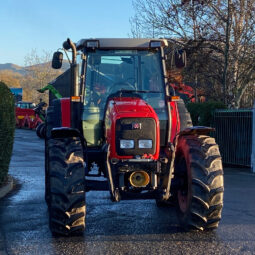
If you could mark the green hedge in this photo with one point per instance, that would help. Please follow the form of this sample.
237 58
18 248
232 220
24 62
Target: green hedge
202 113
7 128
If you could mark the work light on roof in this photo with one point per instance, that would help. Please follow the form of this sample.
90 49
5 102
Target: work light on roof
92 44
155 44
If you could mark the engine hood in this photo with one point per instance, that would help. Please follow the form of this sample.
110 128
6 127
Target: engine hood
132 105
131 118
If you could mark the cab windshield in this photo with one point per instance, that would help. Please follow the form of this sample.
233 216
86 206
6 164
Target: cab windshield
135 71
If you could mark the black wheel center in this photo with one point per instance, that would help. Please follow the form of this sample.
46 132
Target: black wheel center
138 178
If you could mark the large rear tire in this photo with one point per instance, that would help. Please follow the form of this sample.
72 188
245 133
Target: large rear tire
47 181
38 130
184 115
198 168
66 169
42 131
49 123
52 120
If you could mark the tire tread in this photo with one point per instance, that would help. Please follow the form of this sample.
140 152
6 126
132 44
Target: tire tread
67 186
207 185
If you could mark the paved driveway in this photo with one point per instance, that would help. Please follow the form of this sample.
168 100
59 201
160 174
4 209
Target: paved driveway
128 227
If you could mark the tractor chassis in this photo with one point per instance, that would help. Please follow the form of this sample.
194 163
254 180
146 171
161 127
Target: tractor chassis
117 172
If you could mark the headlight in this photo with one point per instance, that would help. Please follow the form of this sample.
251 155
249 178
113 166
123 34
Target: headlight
145 144
127 144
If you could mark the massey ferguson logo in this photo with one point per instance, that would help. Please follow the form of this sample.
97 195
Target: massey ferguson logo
136 125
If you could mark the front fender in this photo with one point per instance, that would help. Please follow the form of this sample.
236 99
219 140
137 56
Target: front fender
62 132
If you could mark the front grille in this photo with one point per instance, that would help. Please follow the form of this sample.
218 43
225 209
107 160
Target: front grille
135 129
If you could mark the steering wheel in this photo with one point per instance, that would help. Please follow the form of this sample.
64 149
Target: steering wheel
120 86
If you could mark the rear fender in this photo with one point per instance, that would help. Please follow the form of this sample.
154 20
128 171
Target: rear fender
196 130
175 120
66 132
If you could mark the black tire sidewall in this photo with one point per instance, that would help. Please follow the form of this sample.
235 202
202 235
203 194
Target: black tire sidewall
183 153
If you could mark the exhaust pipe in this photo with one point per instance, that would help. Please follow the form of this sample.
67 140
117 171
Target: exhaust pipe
74 86
139 179
68 44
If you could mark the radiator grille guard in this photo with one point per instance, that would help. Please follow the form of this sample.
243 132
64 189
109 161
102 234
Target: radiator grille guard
135 129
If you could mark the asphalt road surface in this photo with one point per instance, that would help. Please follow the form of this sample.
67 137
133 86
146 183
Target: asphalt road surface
128 227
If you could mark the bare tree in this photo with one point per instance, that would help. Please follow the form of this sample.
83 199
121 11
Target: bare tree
38 74
236 23
162 18
218 35
187 24
242 50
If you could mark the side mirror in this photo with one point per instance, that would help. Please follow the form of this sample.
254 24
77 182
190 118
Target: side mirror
180 58
57 60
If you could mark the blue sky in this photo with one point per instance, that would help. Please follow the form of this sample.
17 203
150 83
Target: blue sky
45 24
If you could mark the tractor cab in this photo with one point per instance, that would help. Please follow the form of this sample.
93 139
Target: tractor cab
114 66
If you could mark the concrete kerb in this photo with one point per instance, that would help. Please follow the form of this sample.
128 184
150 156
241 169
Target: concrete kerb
6 187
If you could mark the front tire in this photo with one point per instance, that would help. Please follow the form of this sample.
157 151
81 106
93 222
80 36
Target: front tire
198 168
67 207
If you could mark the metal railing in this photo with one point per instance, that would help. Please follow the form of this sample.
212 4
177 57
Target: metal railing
234 135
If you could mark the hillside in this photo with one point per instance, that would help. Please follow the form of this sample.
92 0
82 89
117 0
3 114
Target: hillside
15 68
30 78
22 70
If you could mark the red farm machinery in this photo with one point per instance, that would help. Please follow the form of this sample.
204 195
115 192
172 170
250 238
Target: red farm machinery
29 115
120 116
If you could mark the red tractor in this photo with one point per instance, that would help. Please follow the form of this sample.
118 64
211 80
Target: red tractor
121 120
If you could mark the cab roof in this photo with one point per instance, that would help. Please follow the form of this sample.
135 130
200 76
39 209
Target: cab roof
121 43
